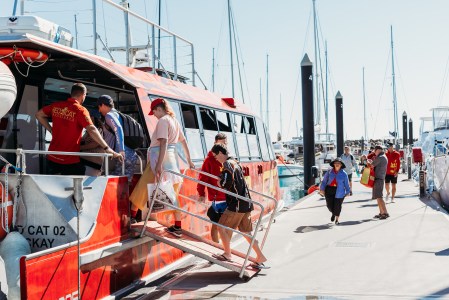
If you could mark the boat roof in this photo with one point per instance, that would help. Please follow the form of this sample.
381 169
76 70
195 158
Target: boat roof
152 83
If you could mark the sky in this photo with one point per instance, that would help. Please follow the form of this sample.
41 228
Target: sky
357 33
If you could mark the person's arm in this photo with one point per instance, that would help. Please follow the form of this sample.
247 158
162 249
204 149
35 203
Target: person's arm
95 134
398 166
346 183
324 183
160 159
43 119
226 178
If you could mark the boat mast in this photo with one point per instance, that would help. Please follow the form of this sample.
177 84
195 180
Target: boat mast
159 36
315 36
266 119
280 114
76 32
260 97
94 23
326 102
395 103
364 104
213 69
230 47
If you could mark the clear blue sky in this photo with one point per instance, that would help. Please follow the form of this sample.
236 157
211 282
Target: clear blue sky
357 33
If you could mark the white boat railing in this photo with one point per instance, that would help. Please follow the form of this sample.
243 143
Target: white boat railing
251 237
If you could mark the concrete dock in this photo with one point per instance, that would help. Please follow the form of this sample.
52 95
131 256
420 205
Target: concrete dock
405 256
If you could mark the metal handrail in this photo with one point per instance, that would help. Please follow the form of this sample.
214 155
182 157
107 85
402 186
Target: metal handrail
253 237
255 192
20 153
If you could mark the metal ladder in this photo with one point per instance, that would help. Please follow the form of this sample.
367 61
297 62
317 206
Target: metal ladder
196 241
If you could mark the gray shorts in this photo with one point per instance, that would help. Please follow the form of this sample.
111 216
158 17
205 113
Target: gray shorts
378 189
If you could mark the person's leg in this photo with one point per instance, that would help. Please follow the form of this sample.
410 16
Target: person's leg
387 188
229 219
177 187
350 182
393 188
246 226
214 233
337 208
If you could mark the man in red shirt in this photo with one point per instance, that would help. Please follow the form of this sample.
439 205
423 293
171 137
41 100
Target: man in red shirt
394 164
68 120
212 166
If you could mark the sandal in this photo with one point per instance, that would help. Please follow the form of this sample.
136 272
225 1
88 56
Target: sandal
221 257
259 266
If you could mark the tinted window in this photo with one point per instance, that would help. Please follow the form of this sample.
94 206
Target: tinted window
189 116
262 140
224 123
209 119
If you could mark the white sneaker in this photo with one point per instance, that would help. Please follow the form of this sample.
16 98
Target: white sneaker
386 197
392 200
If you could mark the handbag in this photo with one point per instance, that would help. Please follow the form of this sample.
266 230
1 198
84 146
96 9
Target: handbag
165 193
216 210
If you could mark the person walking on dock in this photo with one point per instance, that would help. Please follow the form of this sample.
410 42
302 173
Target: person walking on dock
218 199
350 163
380 169
394 165
335 187
238 212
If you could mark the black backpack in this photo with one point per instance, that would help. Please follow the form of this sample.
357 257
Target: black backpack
132 132
239 187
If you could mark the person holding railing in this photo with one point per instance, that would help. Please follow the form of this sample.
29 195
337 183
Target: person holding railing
69 118
218 199
162 152
238 212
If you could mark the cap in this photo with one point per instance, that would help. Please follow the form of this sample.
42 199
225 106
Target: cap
155 103
106 100
390 144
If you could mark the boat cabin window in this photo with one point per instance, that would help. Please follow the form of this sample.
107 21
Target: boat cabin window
224 126
210 126
252 138
192 131
177 110
240 137
262 140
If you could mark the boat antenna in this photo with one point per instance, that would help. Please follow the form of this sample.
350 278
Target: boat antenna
230 47
395 102
364 103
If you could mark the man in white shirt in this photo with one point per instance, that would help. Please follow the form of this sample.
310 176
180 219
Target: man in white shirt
350 163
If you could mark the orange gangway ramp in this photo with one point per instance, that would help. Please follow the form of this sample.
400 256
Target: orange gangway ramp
197 246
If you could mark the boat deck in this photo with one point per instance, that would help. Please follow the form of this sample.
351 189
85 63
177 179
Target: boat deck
402 257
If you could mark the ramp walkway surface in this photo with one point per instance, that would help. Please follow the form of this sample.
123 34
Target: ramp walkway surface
404 257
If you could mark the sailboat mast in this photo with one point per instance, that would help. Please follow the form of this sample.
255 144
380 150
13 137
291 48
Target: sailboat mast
280 114
315 36
266 120
230 47
326 103
94 23
364 104
260 96
395 103
213 69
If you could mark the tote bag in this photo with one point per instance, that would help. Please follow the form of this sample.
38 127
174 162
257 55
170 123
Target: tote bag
367 177
165 193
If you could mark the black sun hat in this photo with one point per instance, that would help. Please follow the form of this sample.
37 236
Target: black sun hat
338 159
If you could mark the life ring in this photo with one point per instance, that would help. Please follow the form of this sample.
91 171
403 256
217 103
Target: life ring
8 54
6 207
312 189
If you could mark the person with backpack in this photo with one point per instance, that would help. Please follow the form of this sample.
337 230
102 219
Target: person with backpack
114 136
350 163
238 212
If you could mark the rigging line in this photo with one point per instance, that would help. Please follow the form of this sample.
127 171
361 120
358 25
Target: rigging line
320 60
237 54
402 82
299 71
381 93
443 86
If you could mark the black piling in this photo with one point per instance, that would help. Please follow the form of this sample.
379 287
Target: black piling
308 121
339 117
410 132
404 130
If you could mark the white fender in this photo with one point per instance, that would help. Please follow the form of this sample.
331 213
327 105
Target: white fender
12 248
8 89
3 282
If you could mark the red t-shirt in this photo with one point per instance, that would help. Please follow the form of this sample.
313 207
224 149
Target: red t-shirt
394 162
69 118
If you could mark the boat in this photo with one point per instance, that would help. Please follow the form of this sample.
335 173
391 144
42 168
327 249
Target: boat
81 243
